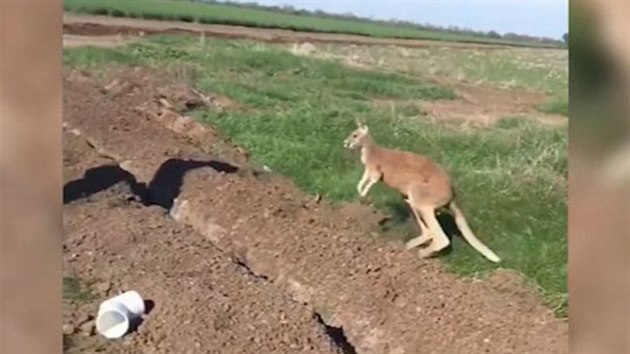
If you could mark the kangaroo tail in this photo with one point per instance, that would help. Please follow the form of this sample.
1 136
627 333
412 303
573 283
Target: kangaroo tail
460 220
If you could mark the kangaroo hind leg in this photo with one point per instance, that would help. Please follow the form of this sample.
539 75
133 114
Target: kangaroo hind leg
425 234
440 239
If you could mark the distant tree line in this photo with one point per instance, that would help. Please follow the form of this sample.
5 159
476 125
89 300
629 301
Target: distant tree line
287 9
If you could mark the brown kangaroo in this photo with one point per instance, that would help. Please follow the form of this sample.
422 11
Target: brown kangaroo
425 185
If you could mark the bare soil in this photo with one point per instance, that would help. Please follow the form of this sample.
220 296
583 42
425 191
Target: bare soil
72 41
235 259
483 105
199 300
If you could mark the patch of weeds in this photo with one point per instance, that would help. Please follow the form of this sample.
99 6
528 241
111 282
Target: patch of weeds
101 11
95 57
511 123
154 16
555 106
351 95
184 71
117 13
68 342
186 18
74 290
410 109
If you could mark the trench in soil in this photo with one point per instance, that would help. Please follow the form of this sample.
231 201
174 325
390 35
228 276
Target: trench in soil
162 191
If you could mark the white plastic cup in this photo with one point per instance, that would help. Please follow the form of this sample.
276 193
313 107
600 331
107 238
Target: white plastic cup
117 314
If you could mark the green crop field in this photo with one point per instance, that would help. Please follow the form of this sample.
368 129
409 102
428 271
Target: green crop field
212 13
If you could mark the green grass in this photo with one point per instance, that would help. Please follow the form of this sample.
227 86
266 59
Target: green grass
511 179
558 105
73 290
231 15
543 71
534 69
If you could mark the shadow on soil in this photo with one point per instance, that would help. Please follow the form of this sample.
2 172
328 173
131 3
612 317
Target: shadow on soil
148 306
167 181
403 221
98 179
162 190
137 321
338 336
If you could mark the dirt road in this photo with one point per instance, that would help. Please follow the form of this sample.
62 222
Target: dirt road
105 25
238 260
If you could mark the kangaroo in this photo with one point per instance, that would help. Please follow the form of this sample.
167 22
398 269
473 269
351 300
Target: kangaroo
424 185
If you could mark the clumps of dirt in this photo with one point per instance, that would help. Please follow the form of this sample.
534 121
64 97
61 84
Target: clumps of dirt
198 299
203 301
176 95
162 97
365 218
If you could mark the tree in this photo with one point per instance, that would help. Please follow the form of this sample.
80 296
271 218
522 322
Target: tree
565 38
493 34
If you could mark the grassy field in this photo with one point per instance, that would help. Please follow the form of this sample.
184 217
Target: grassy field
535 69
222 14
511 179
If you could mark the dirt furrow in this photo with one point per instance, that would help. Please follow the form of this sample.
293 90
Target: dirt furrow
384 299
200 301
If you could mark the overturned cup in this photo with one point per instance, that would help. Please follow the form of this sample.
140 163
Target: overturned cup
117 314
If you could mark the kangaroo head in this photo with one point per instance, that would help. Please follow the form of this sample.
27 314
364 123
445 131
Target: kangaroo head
357 138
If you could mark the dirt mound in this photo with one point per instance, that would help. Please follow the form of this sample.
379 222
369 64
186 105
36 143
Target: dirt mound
199 300
167 101
384 300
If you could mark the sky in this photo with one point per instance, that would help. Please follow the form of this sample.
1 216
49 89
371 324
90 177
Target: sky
546 18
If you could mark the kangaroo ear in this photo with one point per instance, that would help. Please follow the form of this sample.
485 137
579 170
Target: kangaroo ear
356 120
365 128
